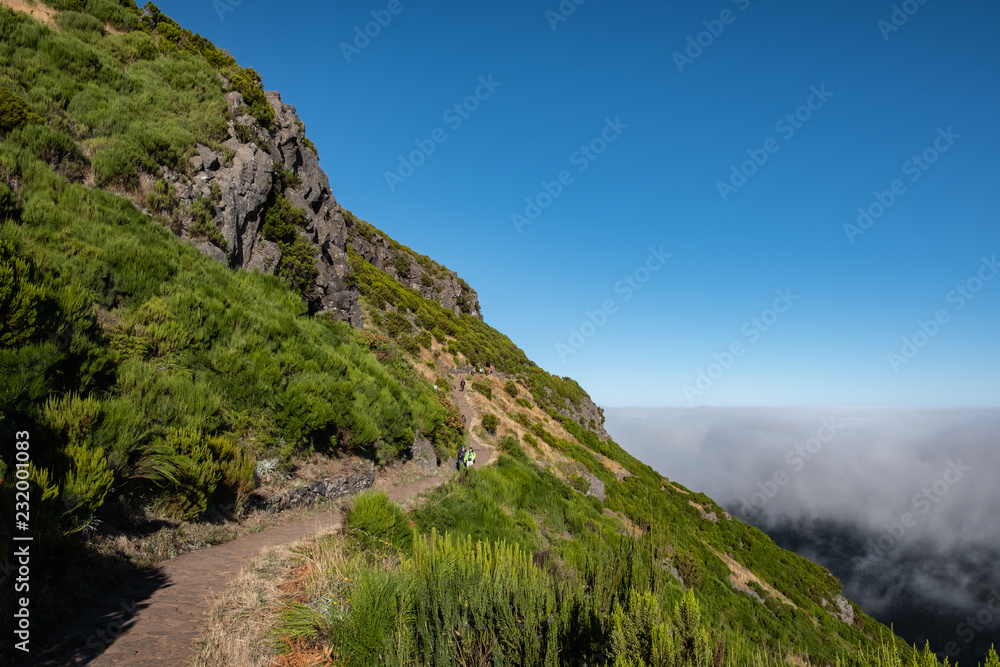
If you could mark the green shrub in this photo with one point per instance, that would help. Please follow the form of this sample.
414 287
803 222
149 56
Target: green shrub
14 112
510 387
122 14
55 148
310 145
21 293
297 267
484 388
579 482
402 264
286 177
491 423
9 208
396 324
114 165
83 23
688 568
247 82
203 225
130 47
163 197
378 522
520 418
282 221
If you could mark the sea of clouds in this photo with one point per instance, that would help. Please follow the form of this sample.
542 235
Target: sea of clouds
902 505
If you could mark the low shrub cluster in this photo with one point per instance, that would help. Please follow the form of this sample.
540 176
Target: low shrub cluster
283 224
491 423
138 363
484 388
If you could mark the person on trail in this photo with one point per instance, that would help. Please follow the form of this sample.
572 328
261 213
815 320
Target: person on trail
470 457
461 456
463 385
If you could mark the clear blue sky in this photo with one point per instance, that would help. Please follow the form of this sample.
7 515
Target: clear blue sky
657 183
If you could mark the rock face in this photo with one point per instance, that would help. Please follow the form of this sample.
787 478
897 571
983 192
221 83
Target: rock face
347 485
243 179
588 414
418 272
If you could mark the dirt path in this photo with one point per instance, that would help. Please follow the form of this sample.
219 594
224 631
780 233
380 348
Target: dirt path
485 454
157 618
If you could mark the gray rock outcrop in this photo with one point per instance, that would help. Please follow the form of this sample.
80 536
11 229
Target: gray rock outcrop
242 179
330 489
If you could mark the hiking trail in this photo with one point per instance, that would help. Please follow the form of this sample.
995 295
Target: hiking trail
158 617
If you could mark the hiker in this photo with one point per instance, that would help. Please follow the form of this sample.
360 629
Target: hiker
470 457
461 456
463 385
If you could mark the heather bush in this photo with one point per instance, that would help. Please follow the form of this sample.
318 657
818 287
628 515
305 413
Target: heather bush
484 388
491 423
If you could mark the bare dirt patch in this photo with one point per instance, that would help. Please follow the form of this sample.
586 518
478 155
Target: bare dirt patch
36 10
741 577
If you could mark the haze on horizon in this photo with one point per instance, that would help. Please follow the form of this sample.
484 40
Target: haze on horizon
898 503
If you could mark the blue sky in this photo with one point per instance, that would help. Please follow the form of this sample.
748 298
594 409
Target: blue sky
878 95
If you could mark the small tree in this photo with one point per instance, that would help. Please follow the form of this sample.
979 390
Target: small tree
491 423
511 388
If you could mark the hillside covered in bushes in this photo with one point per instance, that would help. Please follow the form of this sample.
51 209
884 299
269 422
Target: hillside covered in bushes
162 333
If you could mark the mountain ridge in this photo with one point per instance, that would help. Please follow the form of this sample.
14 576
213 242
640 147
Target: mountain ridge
170 377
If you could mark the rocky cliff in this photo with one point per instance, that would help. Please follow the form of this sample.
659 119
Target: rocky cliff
242 177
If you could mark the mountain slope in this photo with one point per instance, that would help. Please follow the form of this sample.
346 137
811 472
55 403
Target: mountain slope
183 297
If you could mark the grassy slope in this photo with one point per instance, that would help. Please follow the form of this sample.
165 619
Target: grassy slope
146 372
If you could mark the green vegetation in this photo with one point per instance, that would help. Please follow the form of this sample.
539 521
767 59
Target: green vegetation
14 113
147 373
529 571
491 423
282 224
484 388
479 343
404 258
151 379
202 226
